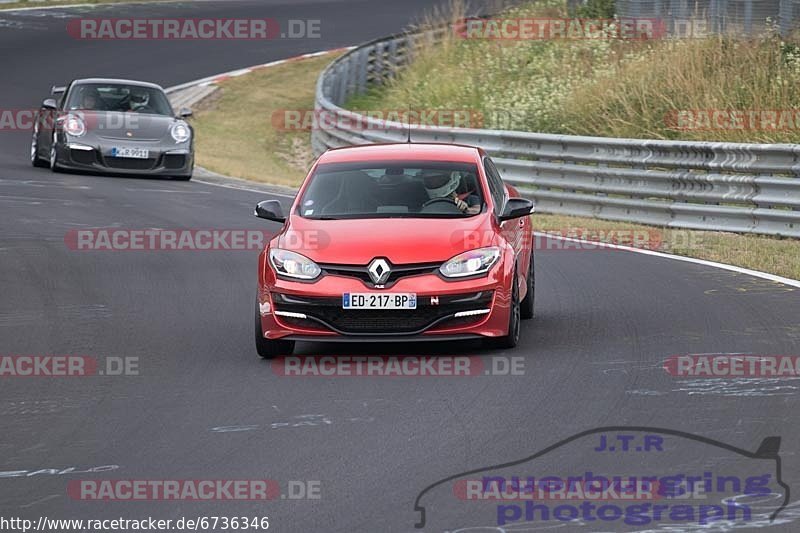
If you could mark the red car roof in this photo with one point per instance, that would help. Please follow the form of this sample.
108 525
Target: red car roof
402 151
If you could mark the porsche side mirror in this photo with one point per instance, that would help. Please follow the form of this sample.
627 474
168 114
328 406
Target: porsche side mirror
270 210
516 208
185 112
50 103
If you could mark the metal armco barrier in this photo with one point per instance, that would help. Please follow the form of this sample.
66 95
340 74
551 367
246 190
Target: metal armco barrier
738 187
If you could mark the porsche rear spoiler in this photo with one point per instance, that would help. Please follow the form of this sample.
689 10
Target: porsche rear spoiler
57 90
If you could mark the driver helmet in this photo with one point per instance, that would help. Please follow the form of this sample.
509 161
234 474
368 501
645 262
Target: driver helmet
441 184
139 98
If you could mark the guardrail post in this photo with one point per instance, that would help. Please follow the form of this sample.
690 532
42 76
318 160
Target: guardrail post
361 70
785 13
344 82
378 52
748 16
392 57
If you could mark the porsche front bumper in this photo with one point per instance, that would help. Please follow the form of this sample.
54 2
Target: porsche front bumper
95 156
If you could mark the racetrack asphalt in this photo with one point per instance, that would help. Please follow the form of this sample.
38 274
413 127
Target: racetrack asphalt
204 406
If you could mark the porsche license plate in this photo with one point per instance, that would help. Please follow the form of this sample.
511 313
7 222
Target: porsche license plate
133 153
373 300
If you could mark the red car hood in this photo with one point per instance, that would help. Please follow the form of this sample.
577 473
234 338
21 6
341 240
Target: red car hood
401 241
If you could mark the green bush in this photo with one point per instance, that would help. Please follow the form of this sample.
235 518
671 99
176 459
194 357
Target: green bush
598 9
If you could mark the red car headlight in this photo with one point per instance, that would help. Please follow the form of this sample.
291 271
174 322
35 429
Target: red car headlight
293 265
471 263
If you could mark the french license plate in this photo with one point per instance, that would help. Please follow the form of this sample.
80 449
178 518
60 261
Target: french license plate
133 153
374 300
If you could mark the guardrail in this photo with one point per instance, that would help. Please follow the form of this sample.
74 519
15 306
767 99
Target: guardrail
747 188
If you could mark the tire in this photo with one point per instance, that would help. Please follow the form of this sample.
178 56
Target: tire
506 342
54 157
35 159
526 307
269 349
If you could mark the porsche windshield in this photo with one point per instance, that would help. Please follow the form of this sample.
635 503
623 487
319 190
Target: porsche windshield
118 97
395 189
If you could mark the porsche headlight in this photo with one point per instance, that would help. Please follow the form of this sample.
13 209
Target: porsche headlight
180 132
293 265
471 263
74 125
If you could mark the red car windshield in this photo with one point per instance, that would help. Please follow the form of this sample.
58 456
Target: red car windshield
397 189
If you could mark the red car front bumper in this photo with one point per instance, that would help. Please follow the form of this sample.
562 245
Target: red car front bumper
446 310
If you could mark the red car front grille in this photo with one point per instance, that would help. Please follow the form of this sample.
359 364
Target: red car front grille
397 272
328 314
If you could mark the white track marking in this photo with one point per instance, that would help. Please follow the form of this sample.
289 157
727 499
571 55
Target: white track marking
713 264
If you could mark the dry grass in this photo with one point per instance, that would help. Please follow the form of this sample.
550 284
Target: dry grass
714 73
236 135
601 87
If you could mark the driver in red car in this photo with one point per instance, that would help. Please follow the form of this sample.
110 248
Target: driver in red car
446 185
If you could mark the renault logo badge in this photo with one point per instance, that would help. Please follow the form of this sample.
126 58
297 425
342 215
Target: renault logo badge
379 271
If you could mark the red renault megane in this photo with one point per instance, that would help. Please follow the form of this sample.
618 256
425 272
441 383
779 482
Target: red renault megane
397 242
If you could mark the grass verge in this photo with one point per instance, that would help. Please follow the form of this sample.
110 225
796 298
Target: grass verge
235 131
767 254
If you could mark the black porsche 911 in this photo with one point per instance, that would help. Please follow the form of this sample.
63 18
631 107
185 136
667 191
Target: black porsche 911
113 126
